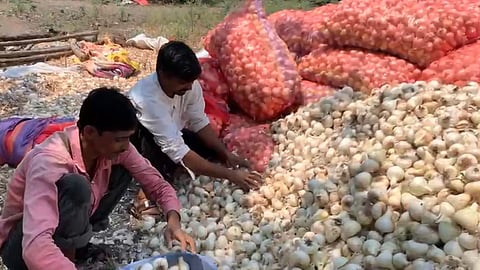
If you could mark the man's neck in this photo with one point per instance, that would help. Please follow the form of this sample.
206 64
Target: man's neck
163 87
89 157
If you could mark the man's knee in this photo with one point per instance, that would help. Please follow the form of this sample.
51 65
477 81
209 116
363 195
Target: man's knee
75 187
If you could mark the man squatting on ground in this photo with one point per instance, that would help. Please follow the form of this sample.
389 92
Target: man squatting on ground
66 187
174 128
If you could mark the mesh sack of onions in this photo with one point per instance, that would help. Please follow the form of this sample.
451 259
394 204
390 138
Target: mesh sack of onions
211 79
253 143
311 92
217 112
237 121
458 67
259 69
359 69
418 31
288 25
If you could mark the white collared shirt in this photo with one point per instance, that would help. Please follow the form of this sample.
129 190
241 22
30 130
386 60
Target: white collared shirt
165 117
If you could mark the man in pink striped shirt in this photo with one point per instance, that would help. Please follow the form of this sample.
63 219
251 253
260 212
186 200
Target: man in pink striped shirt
65 188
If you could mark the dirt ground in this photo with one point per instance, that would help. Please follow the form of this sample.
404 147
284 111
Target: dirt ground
187 23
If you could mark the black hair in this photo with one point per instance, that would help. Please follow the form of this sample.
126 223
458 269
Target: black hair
176 59
107 109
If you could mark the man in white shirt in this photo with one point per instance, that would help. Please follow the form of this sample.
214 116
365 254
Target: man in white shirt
174 129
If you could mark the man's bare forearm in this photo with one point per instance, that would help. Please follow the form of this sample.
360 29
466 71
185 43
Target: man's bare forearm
201 166
208 136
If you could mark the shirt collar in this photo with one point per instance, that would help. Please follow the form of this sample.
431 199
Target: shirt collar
73 135
159 87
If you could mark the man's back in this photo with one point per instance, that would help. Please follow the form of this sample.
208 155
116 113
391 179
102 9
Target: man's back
51 150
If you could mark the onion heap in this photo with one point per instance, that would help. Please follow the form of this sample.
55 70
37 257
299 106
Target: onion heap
458 67
311 92
418 31
388 181
258 67
359 69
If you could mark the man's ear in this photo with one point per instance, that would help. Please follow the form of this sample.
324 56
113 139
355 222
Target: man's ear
90 131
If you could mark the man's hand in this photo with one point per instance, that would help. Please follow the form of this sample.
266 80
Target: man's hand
174 232
234 161
245 180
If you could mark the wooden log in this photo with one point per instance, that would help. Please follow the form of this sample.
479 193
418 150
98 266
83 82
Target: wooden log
77 51
15 54
30 59
25 36
49 39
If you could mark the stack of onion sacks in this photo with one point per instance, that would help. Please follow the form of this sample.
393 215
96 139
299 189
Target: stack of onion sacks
258 67
217 112
458 67
288 25
211 79
418 31
237 121
359 69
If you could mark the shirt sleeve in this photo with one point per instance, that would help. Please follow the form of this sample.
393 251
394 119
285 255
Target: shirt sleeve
164 130
197 119
152 182
41 216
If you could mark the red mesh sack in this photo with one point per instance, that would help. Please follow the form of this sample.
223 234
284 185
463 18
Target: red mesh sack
211 79
259 69
288 24
358 69
237 121
217 112
418 31
311 92
458 67
253 143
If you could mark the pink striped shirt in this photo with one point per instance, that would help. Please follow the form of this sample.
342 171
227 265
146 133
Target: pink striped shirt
32 193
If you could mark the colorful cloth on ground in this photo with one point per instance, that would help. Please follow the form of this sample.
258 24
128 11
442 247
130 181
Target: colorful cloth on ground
108 60
19 134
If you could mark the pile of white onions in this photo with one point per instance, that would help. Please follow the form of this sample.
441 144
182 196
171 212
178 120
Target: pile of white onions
387 182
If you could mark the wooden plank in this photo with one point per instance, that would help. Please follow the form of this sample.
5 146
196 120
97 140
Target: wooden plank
25 36
31 59
49 39
15 54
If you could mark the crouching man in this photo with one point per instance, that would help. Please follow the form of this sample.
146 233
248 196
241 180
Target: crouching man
174 131
65 188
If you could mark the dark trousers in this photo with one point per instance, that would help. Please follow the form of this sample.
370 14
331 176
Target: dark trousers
145 144
75 227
